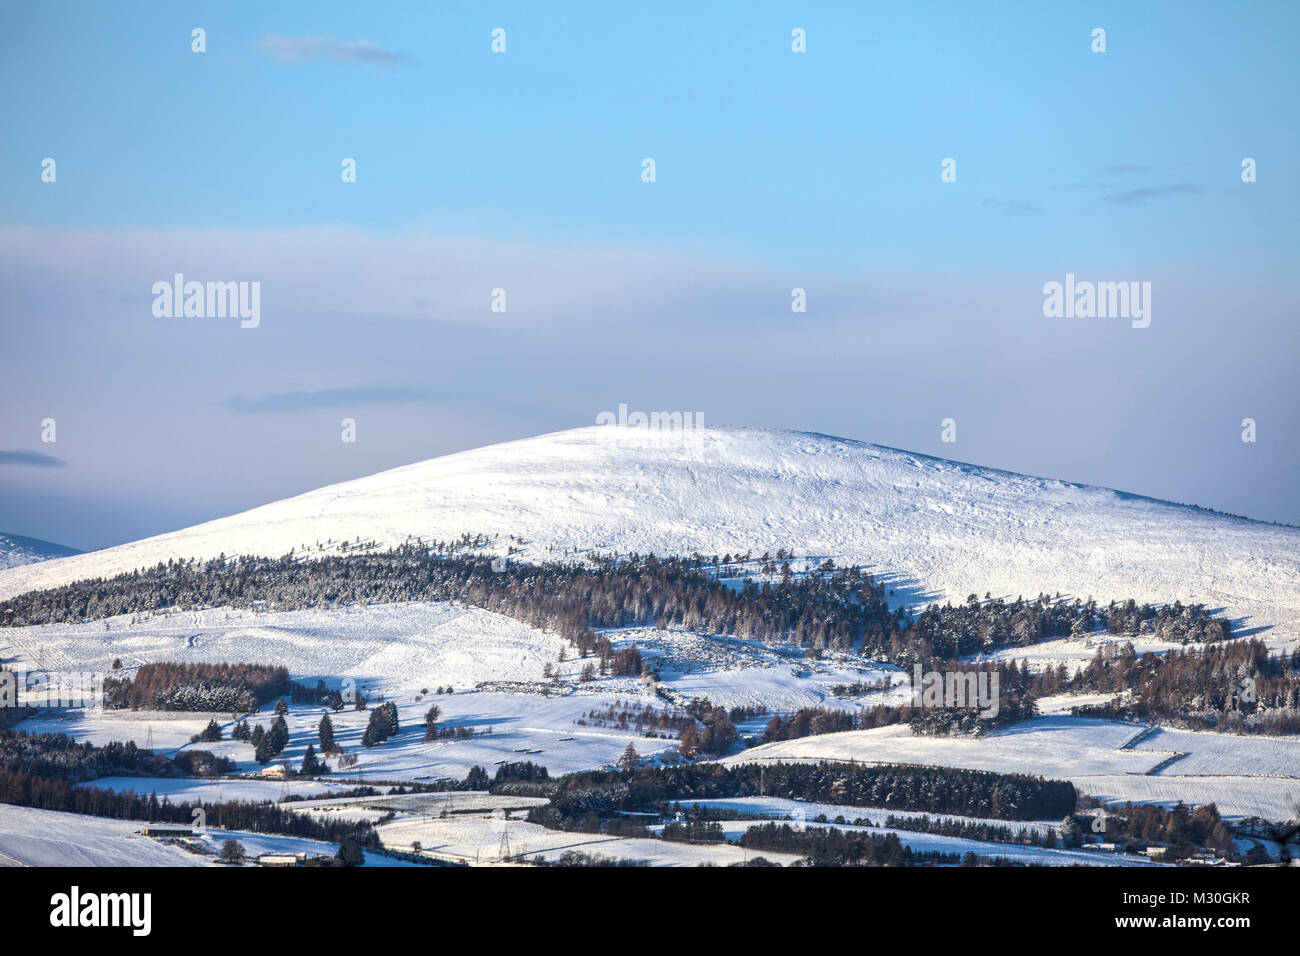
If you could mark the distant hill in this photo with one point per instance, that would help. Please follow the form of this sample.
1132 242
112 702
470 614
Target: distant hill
16 550
939 529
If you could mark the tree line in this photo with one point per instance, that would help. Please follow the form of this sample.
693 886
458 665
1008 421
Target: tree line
831 846
583 800
1017 693
170 685
1238 687
829 609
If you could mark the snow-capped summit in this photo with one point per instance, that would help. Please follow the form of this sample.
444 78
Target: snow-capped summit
16 550
941 529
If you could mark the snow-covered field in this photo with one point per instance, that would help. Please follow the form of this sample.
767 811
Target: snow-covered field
185 789
932 529
938 527
1058 747
937 843
485 839
443 644
387 652
508 727
398 652
1225 755
30 837
1257 775
1273 798
1064 703
781 808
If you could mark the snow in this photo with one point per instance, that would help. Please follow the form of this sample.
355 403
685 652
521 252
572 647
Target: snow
1256 775
522 727
434 642
389 652
482 838
792 687
1223 755
732 672
939 528
1272 798
170 730
189 790
931 529
17 550
1075 653
31 837
1064 703
398 651
783 808
937 843
1056 747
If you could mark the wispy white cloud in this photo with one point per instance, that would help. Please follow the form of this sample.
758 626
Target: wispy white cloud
309 48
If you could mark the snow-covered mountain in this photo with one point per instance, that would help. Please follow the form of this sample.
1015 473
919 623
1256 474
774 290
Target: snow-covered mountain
16 550
941 528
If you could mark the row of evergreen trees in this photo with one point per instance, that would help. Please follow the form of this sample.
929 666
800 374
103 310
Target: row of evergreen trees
576 799
831 846
1238 687
172 685
1018 690
382 725
267 744
843 609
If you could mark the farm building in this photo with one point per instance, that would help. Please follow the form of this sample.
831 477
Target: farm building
167 832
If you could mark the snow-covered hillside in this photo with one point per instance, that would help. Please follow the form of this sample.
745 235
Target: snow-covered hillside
16 550
32 837
938 528
1112 761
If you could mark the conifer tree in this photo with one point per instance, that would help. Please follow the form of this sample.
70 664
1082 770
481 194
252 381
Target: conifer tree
310 765
350 853
630 759
278 736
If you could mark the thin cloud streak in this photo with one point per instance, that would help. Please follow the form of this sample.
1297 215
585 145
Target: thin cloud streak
34 459
279 403
307 48
1140 195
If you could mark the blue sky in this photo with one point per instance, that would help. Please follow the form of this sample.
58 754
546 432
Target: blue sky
522 170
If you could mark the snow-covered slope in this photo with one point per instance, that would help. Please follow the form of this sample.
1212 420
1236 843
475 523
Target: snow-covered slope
944 529
16 550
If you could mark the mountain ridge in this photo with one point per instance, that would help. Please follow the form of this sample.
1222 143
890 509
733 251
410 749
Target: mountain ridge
17 550
940 528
